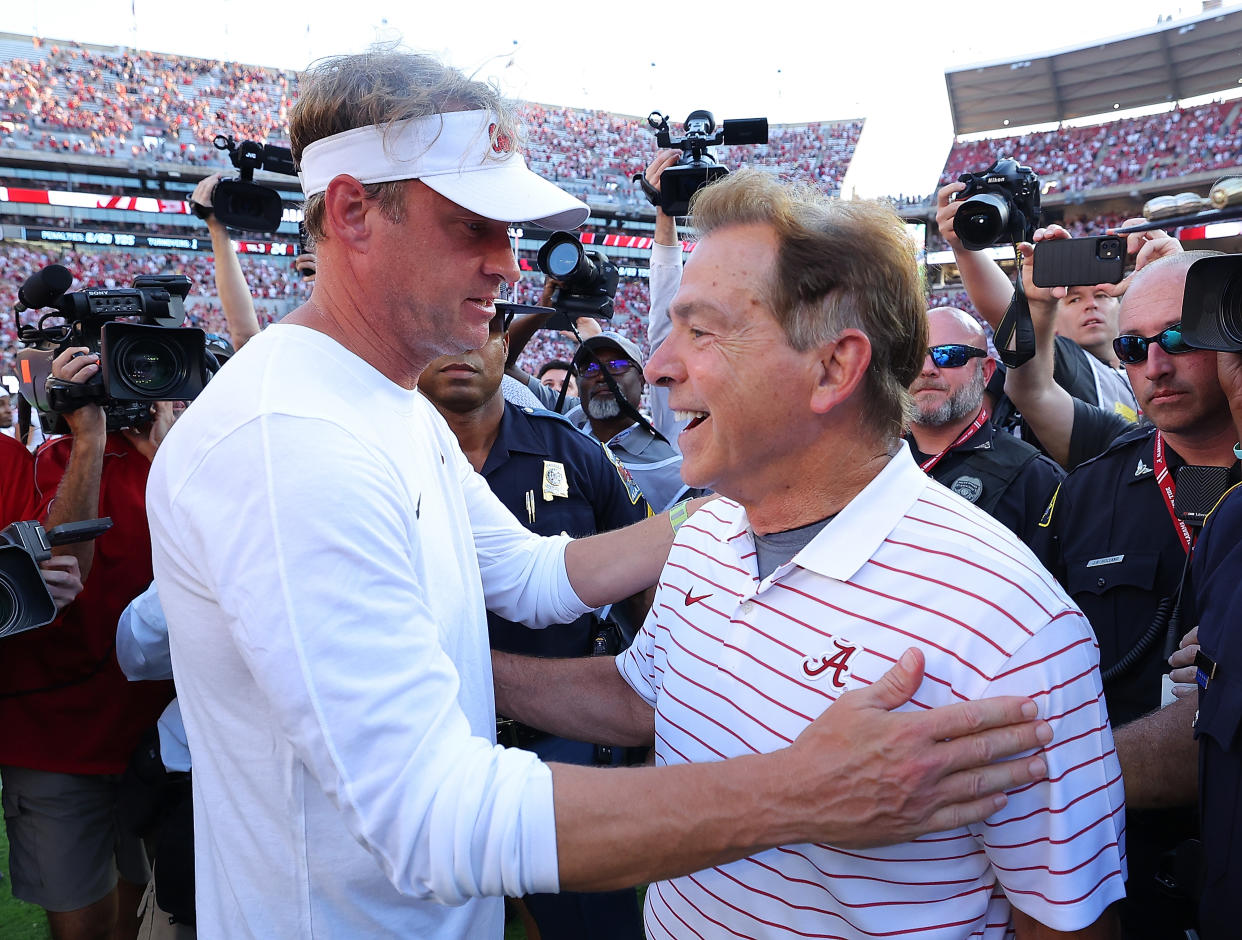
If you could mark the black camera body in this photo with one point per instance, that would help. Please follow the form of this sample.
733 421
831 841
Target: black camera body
697 165
1001 204
1212 304
140 362
241 203
25 602
588 280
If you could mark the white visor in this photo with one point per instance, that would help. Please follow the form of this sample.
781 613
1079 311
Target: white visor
453 154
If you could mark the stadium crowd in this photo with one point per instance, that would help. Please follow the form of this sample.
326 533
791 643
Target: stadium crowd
1128 150
171 107
1012 521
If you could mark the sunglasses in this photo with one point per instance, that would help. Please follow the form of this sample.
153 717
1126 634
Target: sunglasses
954 355
1132 349
614 366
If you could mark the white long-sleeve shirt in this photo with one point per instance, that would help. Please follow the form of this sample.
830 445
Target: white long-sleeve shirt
324 585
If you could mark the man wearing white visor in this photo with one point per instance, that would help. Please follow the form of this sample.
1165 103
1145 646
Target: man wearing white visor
325 586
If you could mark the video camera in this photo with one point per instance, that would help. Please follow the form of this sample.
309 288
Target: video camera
25 602
143 362
588 280
697 166
1001 204
1212 304
241 203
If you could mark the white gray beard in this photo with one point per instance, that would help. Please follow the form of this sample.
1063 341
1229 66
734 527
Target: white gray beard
963 403
603 407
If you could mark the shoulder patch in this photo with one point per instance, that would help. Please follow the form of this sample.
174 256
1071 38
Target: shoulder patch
631 488
1046 519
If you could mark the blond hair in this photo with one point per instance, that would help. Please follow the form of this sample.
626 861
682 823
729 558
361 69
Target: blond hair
377 88
839 265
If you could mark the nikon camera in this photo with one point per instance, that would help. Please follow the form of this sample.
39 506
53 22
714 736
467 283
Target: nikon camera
999 205
147 360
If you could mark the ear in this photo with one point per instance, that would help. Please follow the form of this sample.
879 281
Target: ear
840 369
989 369
345 212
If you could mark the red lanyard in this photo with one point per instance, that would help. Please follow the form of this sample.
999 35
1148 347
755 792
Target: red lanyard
1168 489
979 422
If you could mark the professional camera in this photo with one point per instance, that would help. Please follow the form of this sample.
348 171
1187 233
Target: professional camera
1212 304
1001 204
242 203
141 362
697 165
25 602
588 280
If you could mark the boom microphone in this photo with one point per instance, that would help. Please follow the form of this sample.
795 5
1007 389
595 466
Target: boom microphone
44 288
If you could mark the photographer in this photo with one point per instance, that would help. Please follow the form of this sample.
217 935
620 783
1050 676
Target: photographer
1084 375
1110 535
71 718
231 285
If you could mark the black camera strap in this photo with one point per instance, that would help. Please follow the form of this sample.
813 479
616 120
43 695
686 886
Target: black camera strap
1014 336
628 408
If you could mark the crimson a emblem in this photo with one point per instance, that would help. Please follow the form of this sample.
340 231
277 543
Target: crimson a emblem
501 143
833 664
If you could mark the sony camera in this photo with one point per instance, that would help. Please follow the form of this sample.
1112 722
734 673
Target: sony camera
25 602
588 280
1001 204
697 165
241 203
140 362
1212 304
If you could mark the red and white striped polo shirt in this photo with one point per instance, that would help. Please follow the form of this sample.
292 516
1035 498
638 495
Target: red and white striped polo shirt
736 666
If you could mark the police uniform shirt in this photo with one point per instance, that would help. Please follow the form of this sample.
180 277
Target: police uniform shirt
1109 539
554 479
1005 477
1217 580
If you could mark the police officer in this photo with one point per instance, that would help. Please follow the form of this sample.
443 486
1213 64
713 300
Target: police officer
953 440
553 479
1112 538
1217 578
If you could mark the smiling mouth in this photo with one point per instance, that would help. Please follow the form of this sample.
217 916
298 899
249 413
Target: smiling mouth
695 418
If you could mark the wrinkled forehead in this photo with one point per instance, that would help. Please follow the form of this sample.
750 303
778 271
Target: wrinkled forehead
1153 302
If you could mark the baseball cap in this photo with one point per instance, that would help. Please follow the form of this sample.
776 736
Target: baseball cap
608 338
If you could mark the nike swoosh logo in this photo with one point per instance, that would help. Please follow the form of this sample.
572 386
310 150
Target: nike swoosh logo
691 599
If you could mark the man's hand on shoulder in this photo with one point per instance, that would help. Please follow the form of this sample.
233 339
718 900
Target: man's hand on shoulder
886 777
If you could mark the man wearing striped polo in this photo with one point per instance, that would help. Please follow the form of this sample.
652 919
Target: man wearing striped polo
796 334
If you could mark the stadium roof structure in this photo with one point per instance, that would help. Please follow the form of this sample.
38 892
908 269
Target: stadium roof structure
1182 59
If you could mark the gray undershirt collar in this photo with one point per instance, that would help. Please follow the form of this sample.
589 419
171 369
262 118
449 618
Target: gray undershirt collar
776 548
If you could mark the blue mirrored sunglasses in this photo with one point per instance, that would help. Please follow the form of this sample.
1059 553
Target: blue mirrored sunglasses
954 355
615 367
1132 349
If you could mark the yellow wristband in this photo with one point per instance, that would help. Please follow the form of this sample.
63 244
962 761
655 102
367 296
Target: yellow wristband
679 514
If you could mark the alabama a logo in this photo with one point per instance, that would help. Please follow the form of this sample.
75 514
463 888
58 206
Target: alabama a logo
833 664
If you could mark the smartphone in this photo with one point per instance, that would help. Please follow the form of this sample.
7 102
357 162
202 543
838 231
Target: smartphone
1070 261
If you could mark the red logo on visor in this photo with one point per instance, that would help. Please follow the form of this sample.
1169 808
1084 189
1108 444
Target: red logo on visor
500 142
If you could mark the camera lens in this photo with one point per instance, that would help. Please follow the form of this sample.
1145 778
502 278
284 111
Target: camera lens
10 605
150 366
981 221
562 260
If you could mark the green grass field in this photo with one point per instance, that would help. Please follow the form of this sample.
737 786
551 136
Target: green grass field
18 921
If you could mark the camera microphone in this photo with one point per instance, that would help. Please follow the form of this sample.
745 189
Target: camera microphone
44 288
